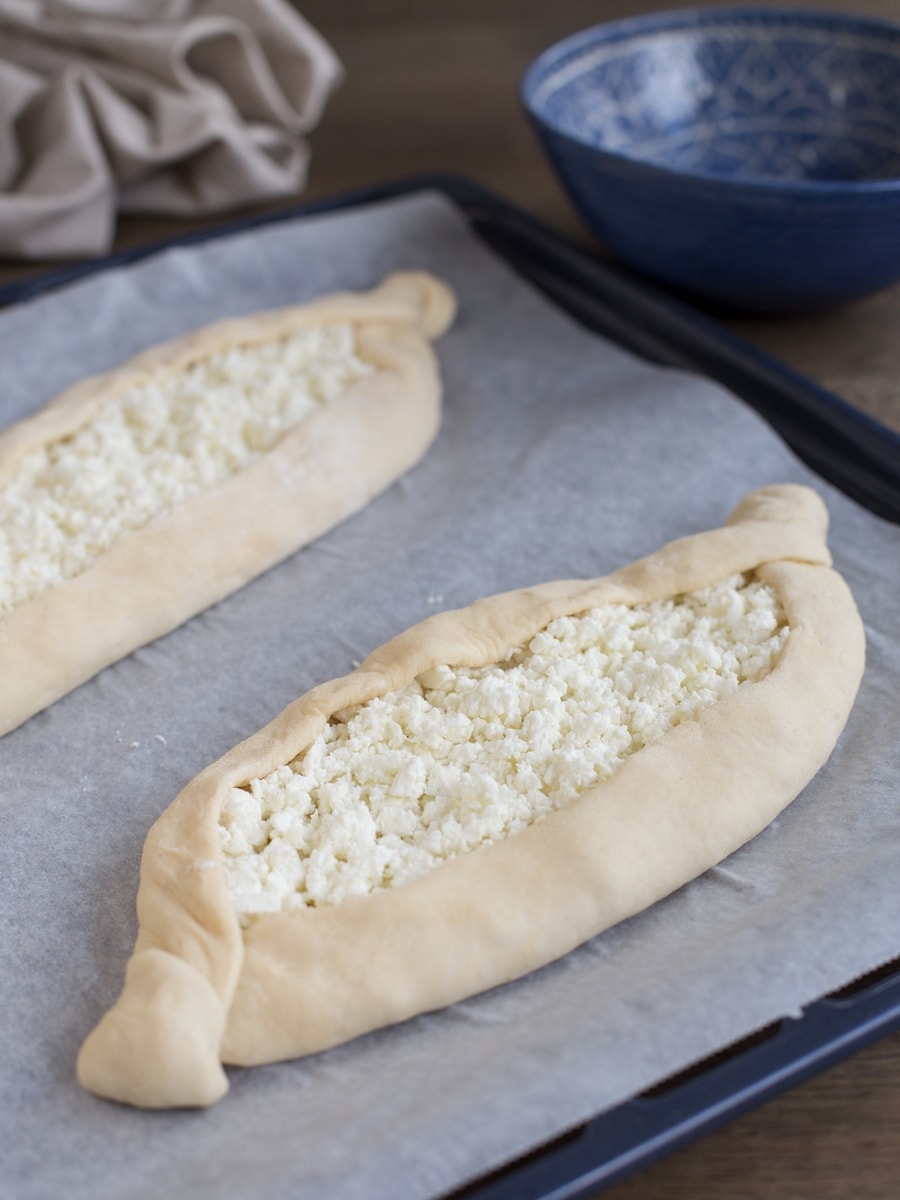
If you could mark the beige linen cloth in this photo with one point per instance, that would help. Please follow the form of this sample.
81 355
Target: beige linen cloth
178 107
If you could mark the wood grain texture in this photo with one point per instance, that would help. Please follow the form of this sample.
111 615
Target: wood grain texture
433 85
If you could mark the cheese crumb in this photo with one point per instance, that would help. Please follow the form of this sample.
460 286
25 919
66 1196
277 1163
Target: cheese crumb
464 757
156 444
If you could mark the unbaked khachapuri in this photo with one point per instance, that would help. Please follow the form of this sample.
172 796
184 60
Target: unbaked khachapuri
138 498
484 793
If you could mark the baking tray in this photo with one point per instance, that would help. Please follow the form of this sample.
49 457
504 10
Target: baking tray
849 449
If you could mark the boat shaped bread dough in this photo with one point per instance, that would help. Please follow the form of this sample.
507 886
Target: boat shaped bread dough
200 991
196 552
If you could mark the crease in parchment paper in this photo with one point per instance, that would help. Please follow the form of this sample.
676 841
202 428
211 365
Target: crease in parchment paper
560 455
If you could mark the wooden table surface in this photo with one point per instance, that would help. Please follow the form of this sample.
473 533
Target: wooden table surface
433 85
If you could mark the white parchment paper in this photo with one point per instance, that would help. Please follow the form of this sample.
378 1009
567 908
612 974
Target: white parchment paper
560 456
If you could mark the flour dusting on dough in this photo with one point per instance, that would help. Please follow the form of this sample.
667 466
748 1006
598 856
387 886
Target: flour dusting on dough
464 757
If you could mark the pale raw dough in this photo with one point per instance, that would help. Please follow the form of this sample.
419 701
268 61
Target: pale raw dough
198 551
200 992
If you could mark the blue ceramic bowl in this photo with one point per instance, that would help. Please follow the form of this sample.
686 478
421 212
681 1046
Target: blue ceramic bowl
750 157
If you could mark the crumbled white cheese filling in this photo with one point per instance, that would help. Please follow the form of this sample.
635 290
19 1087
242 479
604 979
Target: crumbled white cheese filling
157 444
461 757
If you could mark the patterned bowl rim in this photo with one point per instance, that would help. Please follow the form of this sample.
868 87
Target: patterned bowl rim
685 19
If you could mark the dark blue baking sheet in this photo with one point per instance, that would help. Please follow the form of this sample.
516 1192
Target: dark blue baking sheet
845 446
